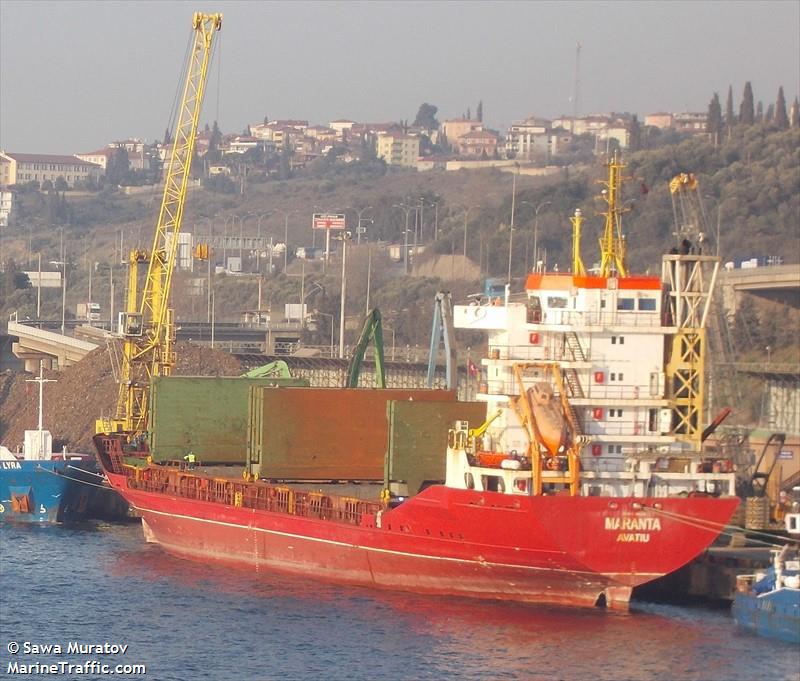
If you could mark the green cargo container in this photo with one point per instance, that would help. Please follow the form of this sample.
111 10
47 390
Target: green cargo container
418 440
205 415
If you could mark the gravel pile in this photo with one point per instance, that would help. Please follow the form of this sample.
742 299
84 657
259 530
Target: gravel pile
84 392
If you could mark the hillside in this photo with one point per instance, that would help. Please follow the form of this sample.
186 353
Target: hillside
750 183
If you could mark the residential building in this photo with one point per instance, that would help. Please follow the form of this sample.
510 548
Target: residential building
690 122
342 127
455 128
241 144
477 143
398 149
529 139
101 157
659 120
20 168
6 207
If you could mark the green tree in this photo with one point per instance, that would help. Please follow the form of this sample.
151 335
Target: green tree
795 114
479 111
759 111
714 124
61 184
747 111
426 117
118 166
770 115
730 116
781 119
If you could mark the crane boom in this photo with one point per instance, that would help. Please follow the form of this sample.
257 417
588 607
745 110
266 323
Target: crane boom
147 329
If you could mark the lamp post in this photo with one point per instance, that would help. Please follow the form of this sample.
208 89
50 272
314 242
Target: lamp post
407 210
511 229
464 263
536 232
358 223
258 239
286 214
344 294
325 314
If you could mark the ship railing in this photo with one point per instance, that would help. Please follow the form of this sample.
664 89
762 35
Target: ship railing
256 495
597 318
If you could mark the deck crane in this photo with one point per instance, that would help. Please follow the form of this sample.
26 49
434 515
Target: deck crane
147 325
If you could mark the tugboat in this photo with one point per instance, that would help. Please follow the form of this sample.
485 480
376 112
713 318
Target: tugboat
768 603
41 486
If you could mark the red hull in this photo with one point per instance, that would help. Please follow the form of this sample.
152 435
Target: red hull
549 549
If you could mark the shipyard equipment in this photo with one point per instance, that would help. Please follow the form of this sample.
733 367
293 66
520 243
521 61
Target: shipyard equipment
442 331
147 325
372 331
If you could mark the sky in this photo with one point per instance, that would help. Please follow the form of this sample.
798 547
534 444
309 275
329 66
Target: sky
75 76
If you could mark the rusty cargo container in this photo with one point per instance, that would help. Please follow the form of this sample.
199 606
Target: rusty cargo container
205 415
325 433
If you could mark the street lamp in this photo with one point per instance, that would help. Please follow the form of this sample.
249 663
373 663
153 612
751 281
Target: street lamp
358 224
344 294
286 214
258 240
464 263
407 209
325 314
511 229
536 231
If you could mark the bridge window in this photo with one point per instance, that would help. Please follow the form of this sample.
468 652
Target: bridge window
647 304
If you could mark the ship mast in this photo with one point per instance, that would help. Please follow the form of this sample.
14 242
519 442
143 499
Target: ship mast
612 243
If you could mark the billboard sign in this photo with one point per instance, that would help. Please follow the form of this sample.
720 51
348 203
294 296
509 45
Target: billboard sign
328 221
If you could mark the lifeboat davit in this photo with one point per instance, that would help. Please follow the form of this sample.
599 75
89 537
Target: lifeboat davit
552 427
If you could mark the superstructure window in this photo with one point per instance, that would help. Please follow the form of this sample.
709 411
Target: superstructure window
556 302
647 304
626 304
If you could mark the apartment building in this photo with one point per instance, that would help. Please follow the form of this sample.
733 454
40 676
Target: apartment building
20 168
398 149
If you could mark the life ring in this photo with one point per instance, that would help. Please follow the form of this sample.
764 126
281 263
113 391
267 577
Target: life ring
551 463
469 481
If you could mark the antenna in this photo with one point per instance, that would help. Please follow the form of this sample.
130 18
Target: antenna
576 87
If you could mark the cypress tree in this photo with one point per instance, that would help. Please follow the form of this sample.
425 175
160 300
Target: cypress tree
747 111
730 116
714 122
781 119
770 114
794 118
479 111
759 111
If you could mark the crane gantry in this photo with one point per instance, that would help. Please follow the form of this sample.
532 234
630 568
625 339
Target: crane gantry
147 325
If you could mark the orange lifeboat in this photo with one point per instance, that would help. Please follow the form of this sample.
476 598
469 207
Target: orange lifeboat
552 428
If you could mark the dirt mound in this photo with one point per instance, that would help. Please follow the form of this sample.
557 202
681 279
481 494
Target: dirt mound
85 391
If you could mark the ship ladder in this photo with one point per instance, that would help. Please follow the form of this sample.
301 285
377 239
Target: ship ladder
574 345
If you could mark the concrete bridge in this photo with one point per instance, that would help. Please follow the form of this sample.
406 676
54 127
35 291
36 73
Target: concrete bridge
780 283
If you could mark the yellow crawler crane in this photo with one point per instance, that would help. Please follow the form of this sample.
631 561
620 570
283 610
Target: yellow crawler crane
147 326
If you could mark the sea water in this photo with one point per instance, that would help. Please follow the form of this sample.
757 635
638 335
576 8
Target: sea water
74 599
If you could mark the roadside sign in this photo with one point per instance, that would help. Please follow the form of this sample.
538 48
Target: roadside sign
786 454
328 221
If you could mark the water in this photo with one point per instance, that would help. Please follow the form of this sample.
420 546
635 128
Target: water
186 620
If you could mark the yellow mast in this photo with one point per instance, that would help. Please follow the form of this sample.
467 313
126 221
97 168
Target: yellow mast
148 331
612 243
577 262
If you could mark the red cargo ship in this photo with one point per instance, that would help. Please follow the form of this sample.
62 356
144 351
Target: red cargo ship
585 479
547 549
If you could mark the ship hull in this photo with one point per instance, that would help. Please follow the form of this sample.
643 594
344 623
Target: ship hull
47 491
559 550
